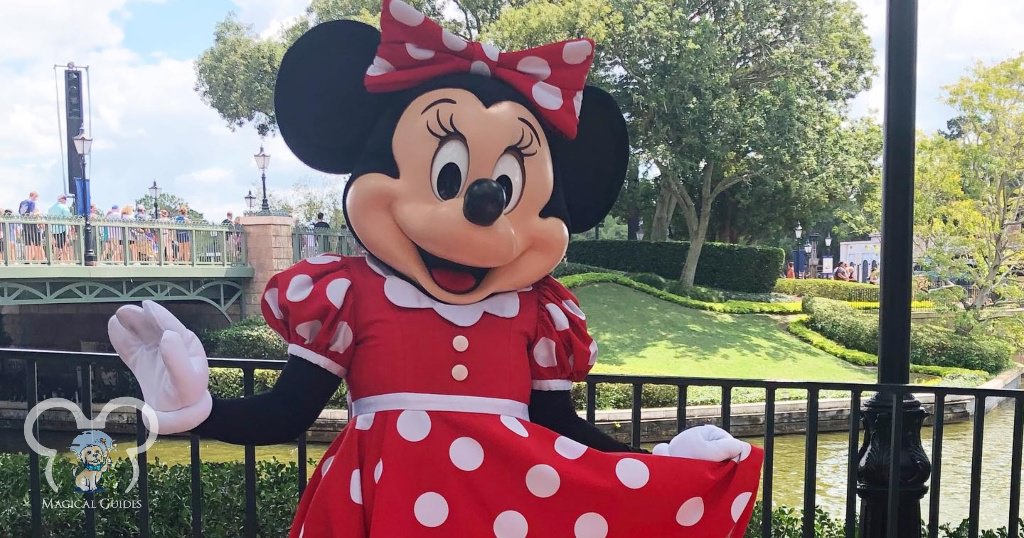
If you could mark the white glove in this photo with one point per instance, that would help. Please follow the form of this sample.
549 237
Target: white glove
707 442
169 362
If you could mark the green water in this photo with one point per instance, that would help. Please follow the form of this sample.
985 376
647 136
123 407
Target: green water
788 475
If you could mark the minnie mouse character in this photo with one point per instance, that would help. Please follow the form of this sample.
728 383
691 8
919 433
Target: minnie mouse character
469 169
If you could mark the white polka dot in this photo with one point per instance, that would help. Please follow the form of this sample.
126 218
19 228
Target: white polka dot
299 288
490 51
466 453
413 425
460 343
590 525
576 52
271 298
513 424
577 103
544 352
336 291
547 96
510 524
431 509
379 67
572 307
542 481
739 504
452 41
460 372
355 488
342 338
364 421
418 53
690 512
326 465
480 68
405 14
633 473
593 353
323 259
533 65
378 470
569 449
308 330
557 317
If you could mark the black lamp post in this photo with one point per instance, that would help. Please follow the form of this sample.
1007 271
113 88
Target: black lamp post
250 201
82 145
828 243
154 191
807 268
262 161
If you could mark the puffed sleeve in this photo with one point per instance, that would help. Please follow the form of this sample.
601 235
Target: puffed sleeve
310 306
562 350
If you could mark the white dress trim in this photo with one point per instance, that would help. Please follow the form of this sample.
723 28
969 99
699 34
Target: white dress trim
439 402
317 359
552 384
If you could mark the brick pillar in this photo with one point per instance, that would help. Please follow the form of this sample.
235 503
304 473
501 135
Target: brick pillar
269 251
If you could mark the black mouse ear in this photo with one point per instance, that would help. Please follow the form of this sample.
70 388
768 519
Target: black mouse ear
323 110
592 166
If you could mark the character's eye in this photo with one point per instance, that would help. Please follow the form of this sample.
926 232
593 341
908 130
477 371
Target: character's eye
448 171
509 173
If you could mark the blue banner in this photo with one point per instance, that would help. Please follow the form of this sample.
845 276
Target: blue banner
82 196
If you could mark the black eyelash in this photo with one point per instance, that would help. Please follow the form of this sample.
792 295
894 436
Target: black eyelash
521 147
447 131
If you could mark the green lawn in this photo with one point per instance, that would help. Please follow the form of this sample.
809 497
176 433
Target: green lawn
639 334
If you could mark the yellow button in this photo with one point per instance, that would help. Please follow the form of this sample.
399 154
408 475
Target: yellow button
460 372
460 343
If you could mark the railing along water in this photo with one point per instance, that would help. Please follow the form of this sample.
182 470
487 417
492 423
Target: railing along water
60 241
858 392
309 241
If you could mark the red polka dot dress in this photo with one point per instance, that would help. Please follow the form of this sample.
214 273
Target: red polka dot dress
441 443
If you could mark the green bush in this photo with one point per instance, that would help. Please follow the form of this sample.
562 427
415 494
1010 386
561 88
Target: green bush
651 280
708 295
829 289
227 383
566 269
723 266
250 338
930 345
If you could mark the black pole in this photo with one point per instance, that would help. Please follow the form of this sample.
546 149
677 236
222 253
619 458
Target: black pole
266 205
877 461
90 249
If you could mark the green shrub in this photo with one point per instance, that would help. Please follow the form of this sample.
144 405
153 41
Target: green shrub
723 266
708 295
250 338
829 289
227 383
930 345
566 269
650 279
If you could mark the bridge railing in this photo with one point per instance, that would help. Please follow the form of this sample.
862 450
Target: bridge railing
57 241
308 241
865 457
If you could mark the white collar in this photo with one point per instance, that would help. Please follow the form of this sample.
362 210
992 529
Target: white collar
401 293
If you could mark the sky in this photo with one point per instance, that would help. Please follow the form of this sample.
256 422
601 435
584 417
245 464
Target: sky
148 124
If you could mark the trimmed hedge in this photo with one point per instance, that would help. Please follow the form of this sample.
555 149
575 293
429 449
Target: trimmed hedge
728 307
723 266
930 345
963 376
566 269
829 289
250 338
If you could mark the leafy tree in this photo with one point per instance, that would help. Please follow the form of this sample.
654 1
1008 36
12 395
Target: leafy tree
310 196
975 236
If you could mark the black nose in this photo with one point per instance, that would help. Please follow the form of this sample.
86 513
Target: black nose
485 200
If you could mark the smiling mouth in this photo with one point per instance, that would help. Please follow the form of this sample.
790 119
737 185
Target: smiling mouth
450 276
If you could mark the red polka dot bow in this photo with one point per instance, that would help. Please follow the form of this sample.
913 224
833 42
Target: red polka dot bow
414 49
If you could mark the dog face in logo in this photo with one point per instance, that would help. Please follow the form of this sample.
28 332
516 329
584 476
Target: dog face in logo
93 450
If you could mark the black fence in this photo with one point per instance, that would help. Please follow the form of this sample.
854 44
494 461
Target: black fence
883 426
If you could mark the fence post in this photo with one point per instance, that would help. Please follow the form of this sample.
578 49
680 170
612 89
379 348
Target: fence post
875 467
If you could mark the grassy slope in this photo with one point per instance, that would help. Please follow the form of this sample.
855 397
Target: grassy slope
639 334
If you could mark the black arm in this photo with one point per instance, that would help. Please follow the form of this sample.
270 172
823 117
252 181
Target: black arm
278 415
554 410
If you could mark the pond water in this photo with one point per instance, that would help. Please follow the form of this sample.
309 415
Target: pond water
788 466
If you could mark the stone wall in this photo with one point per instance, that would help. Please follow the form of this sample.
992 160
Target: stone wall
269 250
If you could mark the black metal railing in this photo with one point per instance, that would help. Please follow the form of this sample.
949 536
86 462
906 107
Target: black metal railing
869 484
